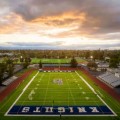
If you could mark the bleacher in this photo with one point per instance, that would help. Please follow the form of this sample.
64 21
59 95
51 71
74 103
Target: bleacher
116 83
105 74
110 79
9 80
17 68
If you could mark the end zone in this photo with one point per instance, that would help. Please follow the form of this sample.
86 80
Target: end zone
63 110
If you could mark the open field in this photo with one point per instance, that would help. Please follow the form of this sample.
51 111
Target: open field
58 89
67 60
45 60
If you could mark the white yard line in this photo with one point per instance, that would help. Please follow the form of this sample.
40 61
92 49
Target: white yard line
70 91
59 101
46 90
58 115
117 106
53 88
95 92
21 93
100 93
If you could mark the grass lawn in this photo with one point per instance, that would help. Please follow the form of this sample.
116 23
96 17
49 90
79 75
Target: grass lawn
46 90
45 60
37 60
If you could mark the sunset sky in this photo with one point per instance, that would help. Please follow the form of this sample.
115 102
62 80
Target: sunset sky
60 24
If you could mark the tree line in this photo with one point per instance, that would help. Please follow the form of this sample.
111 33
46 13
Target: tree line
7 67
96 54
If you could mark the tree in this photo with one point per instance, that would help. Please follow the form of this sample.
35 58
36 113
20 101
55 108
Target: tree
87 54
10 67
26 63
29 59
2 70
40 64
73 62
92 65
113 62
98 55
10 70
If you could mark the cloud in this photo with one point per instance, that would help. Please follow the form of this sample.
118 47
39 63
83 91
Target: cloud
102 16
56 46
33 45
59 19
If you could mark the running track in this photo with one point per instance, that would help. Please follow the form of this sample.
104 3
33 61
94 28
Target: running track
109 90
13 85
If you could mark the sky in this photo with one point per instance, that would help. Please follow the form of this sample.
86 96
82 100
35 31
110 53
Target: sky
60 24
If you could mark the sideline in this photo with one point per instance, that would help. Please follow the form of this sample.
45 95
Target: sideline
95 93
21 93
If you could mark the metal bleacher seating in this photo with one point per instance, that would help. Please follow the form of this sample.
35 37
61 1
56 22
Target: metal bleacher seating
110 79
115 84
105 74
10 80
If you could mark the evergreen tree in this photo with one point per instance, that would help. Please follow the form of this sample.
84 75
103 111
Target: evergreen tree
26 63
114 63
10 66
2 70
114 60
10 70
73 62
40 64
87 54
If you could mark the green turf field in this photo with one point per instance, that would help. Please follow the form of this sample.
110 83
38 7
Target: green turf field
72 91
67 60
45 90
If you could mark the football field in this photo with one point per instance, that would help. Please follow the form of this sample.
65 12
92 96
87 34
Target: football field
59 93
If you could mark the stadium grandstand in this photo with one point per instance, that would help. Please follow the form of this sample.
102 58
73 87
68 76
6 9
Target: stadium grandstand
9 80
111 77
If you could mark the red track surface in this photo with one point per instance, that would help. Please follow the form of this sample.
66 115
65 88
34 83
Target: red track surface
13 85
103 86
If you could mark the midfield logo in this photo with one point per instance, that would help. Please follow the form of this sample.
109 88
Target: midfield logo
57 110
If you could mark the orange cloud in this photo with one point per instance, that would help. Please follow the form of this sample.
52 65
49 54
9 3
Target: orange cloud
63 25
61 20
14 24
58 23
